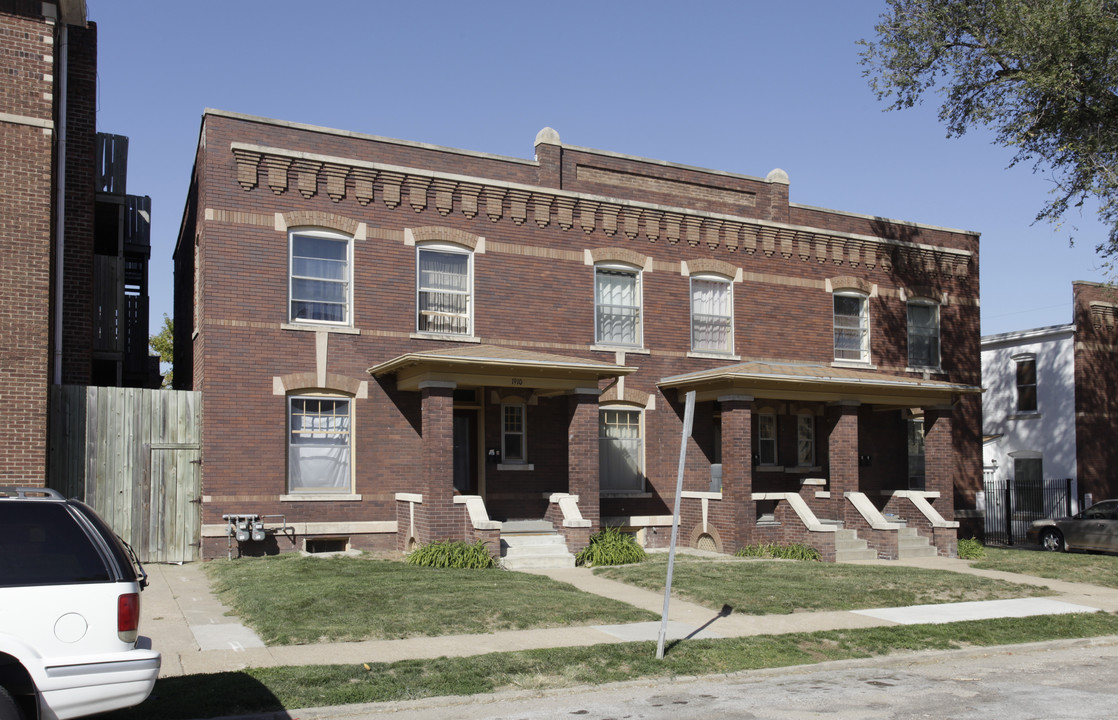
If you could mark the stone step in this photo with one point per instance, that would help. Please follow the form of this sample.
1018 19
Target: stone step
855 555
530 546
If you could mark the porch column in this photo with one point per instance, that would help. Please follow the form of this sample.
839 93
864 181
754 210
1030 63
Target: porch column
735 516
582 454
842 454
437 518
939 457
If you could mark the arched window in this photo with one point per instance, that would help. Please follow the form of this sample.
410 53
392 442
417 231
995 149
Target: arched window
444 289
320 287
320 441
712 313
620 449
852 327
617 305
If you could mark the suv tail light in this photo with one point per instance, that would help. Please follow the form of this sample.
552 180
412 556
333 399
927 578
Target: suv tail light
128 617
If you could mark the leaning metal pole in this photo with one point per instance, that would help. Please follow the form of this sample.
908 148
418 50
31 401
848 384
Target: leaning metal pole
688 417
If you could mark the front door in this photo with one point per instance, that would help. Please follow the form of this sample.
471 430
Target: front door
465 452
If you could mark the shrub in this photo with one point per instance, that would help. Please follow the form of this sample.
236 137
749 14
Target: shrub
610 546
795 551
453 554
971 549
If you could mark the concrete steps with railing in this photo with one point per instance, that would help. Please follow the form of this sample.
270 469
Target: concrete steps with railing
533 544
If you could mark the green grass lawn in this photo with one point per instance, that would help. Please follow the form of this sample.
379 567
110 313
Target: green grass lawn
763 587
1072 567
262 690
291 600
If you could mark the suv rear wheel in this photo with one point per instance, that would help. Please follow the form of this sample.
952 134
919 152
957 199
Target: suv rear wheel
8 708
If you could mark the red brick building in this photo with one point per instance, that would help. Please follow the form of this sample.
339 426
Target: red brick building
398 343
73 246
1096 388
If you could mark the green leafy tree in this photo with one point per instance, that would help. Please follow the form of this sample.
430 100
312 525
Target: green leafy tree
1042 74
164 343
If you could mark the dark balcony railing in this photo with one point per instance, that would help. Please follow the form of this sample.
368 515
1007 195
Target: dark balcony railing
137 221
112 163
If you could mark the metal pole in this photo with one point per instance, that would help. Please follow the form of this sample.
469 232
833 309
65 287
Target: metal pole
688 418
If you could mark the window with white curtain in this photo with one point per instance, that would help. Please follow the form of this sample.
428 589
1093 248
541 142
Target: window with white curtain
319 444
444 291
620 450
923 334
852 327
319 282
712 315
617 306
766 439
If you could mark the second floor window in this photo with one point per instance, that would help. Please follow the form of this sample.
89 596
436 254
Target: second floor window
852 328
444 288
1026 384
617 306
319 286
712 316
923 335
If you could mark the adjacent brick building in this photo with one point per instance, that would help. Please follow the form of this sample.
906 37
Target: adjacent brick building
64 245
398 342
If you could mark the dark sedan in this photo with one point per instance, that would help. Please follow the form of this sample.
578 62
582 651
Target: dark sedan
1095 528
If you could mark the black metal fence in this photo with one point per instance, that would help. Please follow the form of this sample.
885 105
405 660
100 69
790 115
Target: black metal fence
1011 507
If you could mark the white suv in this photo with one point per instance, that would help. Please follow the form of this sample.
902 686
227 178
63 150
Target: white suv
69 611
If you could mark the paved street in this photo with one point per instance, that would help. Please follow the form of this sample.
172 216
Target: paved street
1066 679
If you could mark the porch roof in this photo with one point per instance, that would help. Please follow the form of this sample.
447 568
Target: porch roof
493 365
814 381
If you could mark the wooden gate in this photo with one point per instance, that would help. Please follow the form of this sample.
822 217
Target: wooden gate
134 455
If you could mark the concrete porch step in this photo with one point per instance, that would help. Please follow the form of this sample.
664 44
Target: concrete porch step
534 548
851 548
913 545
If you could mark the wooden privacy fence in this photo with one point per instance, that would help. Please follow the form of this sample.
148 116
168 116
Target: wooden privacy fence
134 455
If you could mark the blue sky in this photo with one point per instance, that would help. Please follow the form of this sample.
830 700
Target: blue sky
739 86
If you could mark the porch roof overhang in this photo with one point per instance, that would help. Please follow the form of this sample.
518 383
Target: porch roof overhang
491 365
817 382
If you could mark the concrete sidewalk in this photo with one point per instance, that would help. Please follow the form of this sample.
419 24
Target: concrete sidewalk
196 634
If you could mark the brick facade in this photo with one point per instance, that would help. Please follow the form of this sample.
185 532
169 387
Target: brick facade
534 231
1096 388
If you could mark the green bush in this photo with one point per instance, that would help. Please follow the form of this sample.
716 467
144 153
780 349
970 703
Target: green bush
453 554
795 551
971 549
611 546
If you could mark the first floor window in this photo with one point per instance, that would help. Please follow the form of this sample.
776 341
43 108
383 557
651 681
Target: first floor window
620 450
852 328
712 317
923 334
766 439
617 306
444 288
319 285
512 433
805 440
319 442
1026 384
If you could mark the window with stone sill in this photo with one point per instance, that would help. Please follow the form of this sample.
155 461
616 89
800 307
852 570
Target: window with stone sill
766 439
923 334
320 277
319 444
712 314
851 327
617 306
514 433
444 290
1026 384
620 450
